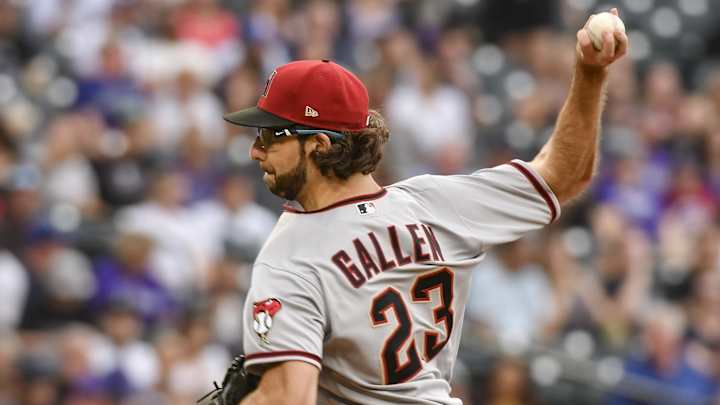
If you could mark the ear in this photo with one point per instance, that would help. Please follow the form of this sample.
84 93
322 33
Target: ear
319 142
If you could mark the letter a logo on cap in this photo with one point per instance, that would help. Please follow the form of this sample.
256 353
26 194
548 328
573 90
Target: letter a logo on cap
268 82
310 112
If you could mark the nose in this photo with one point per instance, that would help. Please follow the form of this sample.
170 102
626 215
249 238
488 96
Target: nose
257 152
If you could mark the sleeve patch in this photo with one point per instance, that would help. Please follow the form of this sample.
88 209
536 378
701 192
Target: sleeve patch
263 313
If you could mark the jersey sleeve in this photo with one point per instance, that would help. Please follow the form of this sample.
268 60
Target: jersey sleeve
284 319
494 205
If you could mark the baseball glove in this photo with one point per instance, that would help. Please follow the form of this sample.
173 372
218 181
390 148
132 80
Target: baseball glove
236 385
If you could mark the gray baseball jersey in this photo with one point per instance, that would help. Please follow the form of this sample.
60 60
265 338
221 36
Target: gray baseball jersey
372 290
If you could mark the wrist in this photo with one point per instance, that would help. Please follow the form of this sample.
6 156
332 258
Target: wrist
591 72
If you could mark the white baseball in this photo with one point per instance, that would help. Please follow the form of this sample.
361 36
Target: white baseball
601 23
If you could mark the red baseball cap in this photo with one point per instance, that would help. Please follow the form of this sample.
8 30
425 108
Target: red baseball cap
314 93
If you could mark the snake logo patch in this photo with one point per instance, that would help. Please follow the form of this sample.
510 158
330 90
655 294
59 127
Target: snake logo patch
263 312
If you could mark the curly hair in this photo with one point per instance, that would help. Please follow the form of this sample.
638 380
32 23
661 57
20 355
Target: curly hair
358 152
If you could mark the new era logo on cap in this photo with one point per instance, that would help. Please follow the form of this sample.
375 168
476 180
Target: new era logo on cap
310 112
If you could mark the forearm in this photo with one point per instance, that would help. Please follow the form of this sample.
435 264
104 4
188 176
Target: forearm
277 396
567 161
260 398
288 383
272 397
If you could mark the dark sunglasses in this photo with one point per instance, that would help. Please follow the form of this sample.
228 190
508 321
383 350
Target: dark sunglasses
268 135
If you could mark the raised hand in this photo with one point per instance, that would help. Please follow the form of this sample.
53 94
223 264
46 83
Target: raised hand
614 46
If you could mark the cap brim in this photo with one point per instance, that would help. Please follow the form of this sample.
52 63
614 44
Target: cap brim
255 117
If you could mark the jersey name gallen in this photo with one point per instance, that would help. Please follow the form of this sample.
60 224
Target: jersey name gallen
425 247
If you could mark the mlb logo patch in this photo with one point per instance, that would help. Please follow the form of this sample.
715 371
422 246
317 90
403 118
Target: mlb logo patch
366 208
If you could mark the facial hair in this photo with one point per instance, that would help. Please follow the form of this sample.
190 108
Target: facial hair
288 185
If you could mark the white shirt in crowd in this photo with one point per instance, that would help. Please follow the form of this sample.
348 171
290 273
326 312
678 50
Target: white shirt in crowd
249 226
14 286
176 260
513 304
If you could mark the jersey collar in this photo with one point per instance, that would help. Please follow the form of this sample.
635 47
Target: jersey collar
295 208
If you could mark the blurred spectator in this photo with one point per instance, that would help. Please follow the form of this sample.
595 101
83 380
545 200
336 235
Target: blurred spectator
431 123
110 90
199 356
126 277
631 189
688 200
233 224
133 363
81 24
509 384
241 88
184 107
14 288
318 25
231 281
15 46
610 298
712 156
120 162
176 260
662 373
61 282
9 377
267 30
82 376
703 308
199 166
39 387
512 297
8 156
9 374
454 49
68 175
371 19
663 92
23 208
169 345
206 23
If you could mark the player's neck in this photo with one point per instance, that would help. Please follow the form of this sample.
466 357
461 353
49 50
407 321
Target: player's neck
325 192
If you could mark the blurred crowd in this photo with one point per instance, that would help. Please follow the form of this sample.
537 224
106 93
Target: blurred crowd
130 213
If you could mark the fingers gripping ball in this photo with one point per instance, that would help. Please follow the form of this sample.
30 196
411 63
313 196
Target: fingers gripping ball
601 23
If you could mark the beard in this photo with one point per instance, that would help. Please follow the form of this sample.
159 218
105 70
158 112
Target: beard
288 185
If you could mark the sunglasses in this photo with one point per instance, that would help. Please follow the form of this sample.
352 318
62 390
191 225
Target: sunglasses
269 135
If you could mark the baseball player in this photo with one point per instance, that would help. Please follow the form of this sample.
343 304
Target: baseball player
358 295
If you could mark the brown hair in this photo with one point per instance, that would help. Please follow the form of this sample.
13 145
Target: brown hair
358 152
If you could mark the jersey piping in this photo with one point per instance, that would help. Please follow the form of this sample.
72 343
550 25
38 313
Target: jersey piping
351 200
282 355
539 188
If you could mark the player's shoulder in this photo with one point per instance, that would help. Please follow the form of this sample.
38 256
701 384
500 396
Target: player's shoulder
418 183
291 242
425 182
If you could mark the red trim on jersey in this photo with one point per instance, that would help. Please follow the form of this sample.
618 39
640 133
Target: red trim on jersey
265 355
358 198
540 189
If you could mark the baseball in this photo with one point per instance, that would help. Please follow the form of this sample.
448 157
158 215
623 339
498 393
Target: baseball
601 23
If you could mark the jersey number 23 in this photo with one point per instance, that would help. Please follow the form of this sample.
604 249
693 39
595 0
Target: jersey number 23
396 372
